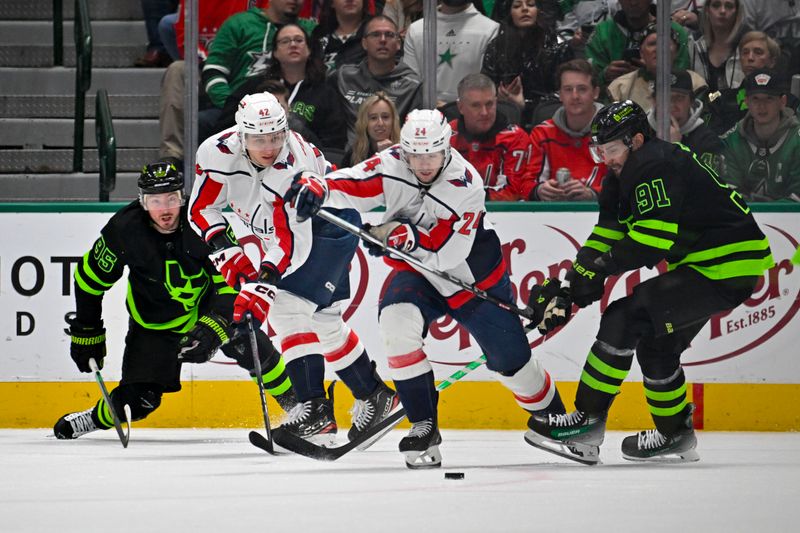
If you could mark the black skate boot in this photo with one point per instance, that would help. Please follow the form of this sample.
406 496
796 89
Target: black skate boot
421 445
575 436
74 425
313 420
652 445
370 411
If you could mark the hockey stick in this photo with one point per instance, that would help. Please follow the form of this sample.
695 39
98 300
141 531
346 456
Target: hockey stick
124 436
367 236
300 446
264 443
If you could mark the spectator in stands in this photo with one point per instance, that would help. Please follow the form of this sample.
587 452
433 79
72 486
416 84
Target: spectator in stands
498 150
728 106
155 55
379 71
403 13
715 54
614 46
522 59
339 33
377 128
463 35
638 84
685 13
780 19
242 49
560 146
762 155
686 123
211 15
299 67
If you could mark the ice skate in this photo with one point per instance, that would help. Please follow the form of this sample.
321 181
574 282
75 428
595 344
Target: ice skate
652 445
576 436
312 420
370 411
421 446
74 425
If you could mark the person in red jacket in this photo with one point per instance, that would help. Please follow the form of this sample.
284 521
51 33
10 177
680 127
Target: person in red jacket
561 164
499 151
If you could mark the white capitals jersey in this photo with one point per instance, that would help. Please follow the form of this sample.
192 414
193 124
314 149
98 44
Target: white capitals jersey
450 215
225 177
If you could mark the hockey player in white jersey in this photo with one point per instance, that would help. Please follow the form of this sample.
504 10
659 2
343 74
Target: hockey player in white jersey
435 212
303 275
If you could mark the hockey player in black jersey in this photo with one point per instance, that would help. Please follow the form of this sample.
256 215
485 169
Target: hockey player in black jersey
179 305
659 202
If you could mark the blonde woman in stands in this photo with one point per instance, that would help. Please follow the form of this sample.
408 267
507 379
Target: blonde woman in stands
377 128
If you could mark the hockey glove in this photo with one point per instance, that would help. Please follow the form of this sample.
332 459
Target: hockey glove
204 339
88 341
373 249
256 298
540 298
234 266
587 282
269 273
306 194
398 234
557 313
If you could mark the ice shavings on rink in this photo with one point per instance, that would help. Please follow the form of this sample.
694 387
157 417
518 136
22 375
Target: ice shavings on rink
214 480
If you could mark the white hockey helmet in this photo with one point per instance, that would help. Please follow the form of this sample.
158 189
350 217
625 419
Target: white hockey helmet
426 131
260 113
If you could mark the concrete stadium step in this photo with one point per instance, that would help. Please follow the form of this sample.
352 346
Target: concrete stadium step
55 133
56 106
61 80
23 55
65 187
43 9
40 32
60 161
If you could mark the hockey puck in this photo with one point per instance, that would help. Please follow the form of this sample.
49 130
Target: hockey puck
454 475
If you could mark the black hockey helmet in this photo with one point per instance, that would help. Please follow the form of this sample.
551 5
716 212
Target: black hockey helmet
160 176
619 120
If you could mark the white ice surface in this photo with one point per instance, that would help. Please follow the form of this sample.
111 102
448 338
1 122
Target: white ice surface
214 480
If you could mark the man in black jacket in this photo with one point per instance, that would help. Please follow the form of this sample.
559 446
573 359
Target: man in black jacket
179 305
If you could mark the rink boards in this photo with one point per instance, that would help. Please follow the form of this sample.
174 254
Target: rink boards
743 367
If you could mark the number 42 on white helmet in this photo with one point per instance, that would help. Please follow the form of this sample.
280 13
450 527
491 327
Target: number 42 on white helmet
425 143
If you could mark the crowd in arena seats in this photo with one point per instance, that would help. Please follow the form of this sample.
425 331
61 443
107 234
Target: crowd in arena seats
520 81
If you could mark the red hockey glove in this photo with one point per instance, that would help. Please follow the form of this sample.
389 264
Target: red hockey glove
234 266
256 298
306 194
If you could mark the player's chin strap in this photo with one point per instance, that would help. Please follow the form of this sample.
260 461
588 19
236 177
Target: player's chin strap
365 235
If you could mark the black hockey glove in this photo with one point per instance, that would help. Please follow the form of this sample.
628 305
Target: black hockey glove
306 194
551 305
88 341
586 282
373 249
204 339
269 273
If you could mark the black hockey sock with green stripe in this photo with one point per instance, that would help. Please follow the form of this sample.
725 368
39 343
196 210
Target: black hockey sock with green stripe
605 369
277 383
666 399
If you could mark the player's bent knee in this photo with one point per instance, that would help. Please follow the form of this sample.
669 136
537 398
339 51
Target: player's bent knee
141 398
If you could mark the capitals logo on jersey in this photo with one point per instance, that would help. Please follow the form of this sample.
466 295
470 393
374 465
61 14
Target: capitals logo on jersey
283 165
222 145
462 181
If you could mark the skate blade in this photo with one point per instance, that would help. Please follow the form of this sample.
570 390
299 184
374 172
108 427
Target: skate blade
689 456
430 458
366 444
575 451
